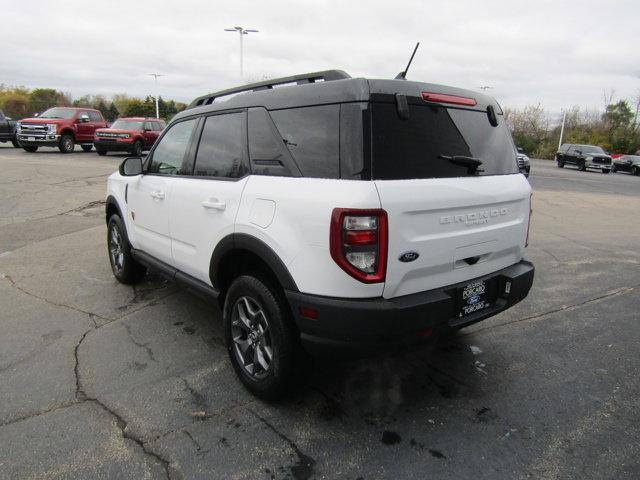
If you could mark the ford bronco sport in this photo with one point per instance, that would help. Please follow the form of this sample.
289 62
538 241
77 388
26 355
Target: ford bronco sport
128 135
583 157
331 213
61 127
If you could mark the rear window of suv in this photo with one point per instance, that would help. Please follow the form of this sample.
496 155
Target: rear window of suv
429 143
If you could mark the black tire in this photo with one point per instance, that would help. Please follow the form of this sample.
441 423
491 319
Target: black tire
560 163
102 152
268 326
15 143
30 148
67 143
582 166
137 149
86 148
635 170
614 168
124 267
604 170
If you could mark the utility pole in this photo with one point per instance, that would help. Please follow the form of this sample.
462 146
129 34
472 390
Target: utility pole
156 75
564 117
242 31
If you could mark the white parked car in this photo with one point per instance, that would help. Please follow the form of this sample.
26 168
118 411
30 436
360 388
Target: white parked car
332 213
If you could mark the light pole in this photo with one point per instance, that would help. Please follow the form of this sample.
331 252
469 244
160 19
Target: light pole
564 117
156 75
242 31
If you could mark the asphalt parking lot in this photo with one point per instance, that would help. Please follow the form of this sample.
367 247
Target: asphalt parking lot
100 380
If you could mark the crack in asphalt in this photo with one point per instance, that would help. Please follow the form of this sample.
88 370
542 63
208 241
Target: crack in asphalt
304 469
92 316
145 346
610 293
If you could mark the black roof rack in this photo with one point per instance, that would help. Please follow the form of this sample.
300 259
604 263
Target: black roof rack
323 76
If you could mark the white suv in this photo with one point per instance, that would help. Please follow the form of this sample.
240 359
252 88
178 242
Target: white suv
332 213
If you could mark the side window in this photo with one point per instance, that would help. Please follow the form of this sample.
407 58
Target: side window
221 152
311 134
267 151
352 143
157 127
95 117
169 154
80 115
148 126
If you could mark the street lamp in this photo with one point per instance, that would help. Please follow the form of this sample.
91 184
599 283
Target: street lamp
156 75
242 31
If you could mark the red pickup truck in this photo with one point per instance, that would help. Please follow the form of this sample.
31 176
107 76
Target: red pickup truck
60 127
133 135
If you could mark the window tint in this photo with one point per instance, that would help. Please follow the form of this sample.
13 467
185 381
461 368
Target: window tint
352 129
311 135
169 154
148 126
426 145
157 126
267 151
222 147
95 117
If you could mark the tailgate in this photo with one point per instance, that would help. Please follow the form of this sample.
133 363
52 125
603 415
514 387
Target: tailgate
461 228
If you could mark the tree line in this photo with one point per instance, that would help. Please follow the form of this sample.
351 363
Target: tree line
21 102
616 129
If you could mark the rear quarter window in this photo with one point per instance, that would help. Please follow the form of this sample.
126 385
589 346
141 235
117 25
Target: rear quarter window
311 135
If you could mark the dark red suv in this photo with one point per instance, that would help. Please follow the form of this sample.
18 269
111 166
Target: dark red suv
133 135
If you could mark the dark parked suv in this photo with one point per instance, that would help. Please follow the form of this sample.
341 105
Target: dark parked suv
583 157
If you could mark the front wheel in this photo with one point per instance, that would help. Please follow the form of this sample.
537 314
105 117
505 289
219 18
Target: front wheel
124 267
101 151
604 170
560 163
137 149
86 148
30 149
67 143
15 143
261 341
614 168
582 166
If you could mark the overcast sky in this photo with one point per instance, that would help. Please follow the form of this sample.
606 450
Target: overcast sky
559 53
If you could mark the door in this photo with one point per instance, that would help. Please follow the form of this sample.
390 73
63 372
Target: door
84 129
148 134
4 126
457 207
204 206
150 194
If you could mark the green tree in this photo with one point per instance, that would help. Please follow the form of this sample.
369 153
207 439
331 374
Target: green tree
42 98
112 113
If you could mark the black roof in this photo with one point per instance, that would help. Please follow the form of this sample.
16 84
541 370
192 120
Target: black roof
335 86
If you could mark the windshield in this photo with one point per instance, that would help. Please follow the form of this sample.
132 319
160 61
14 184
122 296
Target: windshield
589 149
438 142
65 113
127 125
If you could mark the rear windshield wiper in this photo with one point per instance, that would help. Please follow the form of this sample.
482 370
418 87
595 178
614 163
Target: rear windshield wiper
471 163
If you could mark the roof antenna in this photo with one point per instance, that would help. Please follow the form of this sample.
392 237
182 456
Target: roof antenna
403 75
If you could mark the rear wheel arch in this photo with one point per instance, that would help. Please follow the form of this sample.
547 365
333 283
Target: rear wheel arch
238 254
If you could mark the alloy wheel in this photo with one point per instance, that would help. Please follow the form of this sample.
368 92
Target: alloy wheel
252 344
116 252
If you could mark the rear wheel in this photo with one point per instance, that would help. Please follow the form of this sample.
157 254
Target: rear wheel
124 267
635 170
614 168
30 148
67 143
560 163
15 143
605 170
582 166
262 343
101 151
137 149
86 148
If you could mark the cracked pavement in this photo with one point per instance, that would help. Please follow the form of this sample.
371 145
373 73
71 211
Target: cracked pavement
101 380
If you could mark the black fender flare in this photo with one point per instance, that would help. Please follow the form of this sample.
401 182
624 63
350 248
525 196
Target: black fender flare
243 241
113 203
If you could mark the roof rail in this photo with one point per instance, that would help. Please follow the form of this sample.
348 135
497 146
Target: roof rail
323 76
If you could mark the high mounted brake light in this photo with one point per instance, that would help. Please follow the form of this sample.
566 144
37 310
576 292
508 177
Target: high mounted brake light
358 243
443 98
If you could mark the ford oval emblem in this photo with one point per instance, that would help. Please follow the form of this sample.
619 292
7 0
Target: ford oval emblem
408 257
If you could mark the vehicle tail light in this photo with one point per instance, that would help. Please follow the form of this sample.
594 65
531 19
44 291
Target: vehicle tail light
443 98
526 243
358 243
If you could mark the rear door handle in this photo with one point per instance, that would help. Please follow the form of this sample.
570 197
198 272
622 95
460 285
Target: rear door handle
214 204
157 194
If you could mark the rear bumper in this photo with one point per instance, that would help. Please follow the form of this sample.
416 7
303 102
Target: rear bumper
368 325
119 146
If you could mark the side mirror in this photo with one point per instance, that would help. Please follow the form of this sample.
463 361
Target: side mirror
131 167
579 152
84 118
